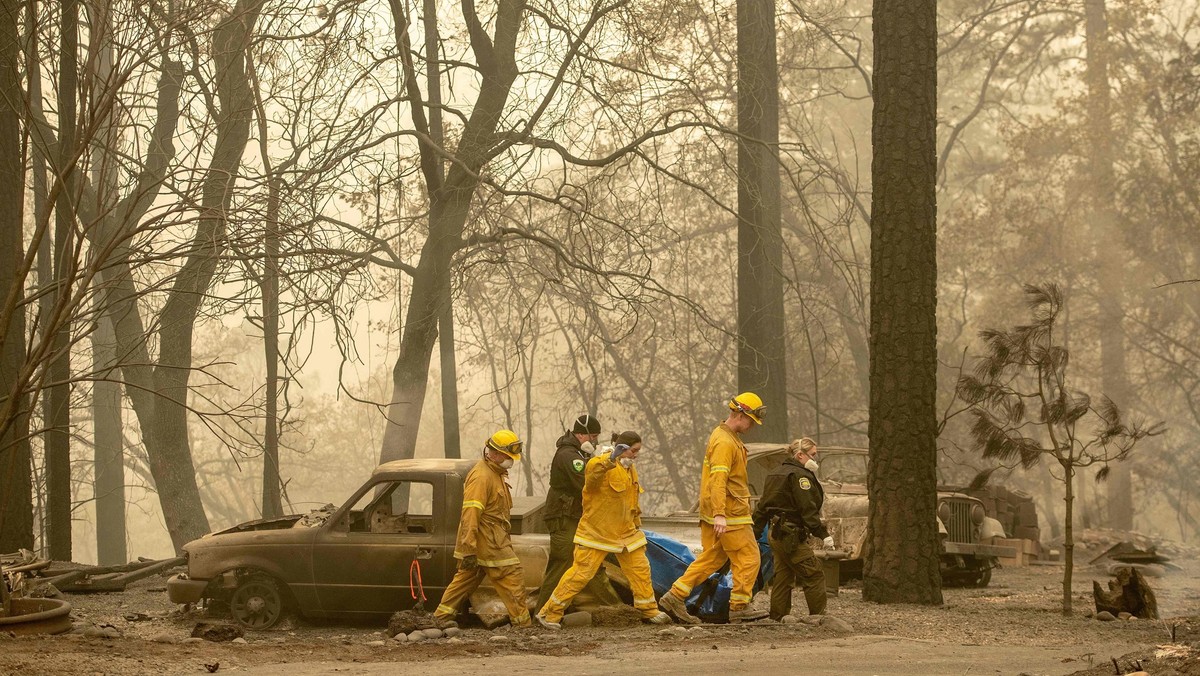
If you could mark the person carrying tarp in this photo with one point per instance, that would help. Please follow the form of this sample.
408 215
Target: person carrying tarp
483 546
611 524
725 519
564 508
791 503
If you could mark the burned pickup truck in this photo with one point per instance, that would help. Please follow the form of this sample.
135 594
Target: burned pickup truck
388 546
391 541
967 559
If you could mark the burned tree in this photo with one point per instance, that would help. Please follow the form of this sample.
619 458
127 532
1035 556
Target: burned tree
902 564
1021 384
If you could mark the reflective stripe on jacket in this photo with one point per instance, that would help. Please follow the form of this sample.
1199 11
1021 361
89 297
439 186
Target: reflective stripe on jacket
612 515
483 526
724 481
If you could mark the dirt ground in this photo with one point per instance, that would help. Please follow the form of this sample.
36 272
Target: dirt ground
1012 627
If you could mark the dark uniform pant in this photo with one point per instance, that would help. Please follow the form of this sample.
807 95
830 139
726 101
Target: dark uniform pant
795 563
562 556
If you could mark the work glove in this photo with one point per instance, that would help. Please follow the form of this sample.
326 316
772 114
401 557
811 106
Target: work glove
618 450
828 542
468 563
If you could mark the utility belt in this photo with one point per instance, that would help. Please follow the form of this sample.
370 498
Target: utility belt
785 529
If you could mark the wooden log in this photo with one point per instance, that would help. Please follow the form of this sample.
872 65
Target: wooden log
152 568
91 580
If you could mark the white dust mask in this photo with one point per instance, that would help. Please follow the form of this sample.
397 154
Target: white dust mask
626 462
811 465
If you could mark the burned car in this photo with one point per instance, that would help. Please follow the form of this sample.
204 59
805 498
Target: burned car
965 529
391 541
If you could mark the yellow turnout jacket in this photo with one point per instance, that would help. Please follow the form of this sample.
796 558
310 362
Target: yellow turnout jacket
612 516
724 481
484 528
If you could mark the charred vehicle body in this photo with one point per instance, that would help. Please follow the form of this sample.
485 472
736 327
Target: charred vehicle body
965 529
390 545
387 548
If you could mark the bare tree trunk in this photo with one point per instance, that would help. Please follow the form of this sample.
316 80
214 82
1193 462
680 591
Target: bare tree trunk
272 502
1068 536
451 441
159 395
902 559
449 207
16 501
109 456
58 396
272 505
1107 237
450 425
528 363
108 473
762 349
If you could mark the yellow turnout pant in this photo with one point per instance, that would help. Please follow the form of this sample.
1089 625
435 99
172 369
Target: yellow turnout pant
587 561
738 546
509 582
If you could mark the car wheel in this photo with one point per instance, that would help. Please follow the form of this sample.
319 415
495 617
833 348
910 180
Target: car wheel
256 603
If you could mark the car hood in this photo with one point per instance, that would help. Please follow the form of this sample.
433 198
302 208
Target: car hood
278 523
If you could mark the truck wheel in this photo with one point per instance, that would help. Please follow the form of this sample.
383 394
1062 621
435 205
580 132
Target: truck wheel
984 578
256 603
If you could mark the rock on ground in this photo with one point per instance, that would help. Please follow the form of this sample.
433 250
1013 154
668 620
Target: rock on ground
408 621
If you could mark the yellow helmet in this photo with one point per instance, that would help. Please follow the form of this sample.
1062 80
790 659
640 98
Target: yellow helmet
750 404
506 442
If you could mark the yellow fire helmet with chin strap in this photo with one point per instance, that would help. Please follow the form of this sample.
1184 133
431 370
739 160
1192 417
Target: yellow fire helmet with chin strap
750 404
506 442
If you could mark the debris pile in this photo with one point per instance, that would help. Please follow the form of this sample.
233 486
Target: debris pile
76 579
1103 539
218 632
317 517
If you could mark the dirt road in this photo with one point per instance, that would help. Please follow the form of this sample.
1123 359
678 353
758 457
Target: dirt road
852 656
1012 627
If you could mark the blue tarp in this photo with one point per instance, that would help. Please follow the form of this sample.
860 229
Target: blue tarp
669 558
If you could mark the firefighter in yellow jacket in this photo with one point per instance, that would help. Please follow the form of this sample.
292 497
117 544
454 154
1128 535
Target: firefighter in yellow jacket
725 519
484 545
610 524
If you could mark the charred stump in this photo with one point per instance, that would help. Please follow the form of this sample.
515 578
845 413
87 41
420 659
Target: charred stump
1127 593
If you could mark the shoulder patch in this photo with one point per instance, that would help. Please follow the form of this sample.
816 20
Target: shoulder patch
577 464
805 484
